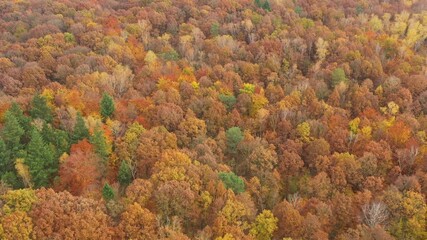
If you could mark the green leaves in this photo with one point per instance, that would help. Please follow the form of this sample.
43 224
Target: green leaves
107 106
40 109
232 181
338 76
107 192
234 136
40 160
125 174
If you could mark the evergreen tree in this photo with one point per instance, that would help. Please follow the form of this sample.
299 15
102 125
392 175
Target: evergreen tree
6 162
266 6
40 109
125 174
107 106
40 160
23 120
56 137
100 143
12 133
80 130
107 192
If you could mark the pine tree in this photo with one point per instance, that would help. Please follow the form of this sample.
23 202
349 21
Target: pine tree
58 138
40 109
12 133
107 106
107 192
100 143
266 6
40 160
6 163
23 120
125 174
80 130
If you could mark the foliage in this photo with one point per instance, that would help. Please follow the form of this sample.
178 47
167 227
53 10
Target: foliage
107 106
232 181
108 192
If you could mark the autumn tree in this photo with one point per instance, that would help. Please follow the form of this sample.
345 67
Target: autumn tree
138 223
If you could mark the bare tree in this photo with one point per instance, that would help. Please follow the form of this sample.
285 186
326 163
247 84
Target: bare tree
374 213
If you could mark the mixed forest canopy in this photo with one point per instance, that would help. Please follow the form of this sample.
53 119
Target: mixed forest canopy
213 119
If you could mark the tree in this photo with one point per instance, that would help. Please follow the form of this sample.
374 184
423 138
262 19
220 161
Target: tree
40 160
125 174
6 162
40 109
266 6
107 192
289 220
79 173
17 225
338 76
374 213
24 121
264 226
234 136
107 106
80 130
59 215
18 200
12 133
99 141
138 223
232 181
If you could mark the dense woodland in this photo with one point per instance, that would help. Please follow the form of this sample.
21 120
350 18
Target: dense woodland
213 119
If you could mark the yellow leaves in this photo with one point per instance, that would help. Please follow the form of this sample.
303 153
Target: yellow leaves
321 49
416 32
234 212
303 131
354 125
172 166
165 84
388 122
206 199
17 225
150 58
367 131
187 75
414 205
292 100
264 226
409 3
23 172
376 23
258 102
49 95
195 85
392 108
248 88
379 90
227 236
133 132
18 200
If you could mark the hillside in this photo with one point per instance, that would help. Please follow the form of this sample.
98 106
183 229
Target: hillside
213 119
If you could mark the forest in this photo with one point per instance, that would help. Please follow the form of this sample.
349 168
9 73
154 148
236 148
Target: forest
213 119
